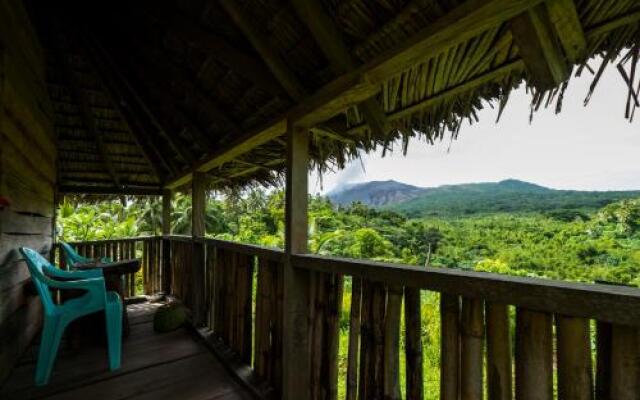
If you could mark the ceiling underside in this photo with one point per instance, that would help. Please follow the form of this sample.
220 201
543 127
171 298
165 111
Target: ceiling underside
145 92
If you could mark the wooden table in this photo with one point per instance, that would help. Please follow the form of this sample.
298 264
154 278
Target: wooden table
113 273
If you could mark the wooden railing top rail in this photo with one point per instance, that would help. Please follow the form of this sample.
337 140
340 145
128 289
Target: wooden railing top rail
128 239
609 303
271 253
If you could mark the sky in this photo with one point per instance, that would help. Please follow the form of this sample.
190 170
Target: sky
582 148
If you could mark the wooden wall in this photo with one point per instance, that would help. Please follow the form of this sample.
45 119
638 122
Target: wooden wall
27 177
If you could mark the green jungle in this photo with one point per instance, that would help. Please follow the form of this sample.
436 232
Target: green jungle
595 241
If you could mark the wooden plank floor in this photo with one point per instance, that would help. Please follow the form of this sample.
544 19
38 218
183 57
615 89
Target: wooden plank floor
171 365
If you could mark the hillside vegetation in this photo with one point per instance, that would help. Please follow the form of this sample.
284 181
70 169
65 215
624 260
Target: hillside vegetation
508 196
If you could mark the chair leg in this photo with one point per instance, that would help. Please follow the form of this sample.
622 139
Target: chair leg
51 335
113 318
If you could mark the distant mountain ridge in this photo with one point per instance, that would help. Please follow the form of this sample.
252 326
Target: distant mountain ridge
510 195
375 193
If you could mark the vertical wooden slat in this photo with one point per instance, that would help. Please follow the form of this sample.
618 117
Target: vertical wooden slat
471 360
366 342
603 360
413 339
317 296
354 339
499 372
378 327
146 270
264 291
625 363
334 310
449 346
534 352
392 343
575 379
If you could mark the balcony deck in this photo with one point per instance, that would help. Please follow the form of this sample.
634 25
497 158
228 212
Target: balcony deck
154 366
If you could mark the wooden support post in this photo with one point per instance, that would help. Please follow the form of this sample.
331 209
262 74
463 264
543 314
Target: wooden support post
499 374
575 377
296 357
198 199
167 195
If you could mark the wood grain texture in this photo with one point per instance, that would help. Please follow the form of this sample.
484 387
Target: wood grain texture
449 347
538 45
471 350
534 356
499 367
575 372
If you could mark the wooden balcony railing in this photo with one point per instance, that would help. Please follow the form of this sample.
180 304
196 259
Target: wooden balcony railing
147 249
570 340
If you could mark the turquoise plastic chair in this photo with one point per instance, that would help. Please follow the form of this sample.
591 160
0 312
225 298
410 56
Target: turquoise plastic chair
71 257
57 317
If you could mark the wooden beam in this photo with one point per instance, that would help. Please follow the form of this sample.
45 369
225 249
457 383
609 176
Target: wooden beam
296 351
464 22
327 35
538 46
270 57
107 190
241 146
566 24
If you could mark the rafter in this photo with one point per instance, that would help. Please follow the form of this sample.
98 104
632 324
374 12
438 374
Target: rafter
129 104
270 57
566 23
184 88
464 22
217 47
538 46
327 35
86 113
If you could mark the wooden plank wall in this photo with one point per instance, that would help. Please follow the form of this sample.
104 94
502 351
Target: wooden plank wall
27 177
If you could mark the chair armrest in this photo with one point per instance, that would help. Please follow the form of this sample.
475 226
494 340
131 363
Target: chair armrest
75 274
95 286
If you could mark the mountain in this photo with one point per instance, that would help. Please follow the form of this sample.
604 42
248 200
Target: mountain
375 193
510 195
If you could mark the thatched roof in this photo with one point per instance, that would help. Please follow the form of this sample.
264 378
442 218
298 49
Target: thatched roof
145 92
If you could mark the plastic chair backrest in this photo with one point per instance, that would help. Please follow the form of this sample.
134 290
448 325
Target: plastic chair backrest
38 266
71 257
